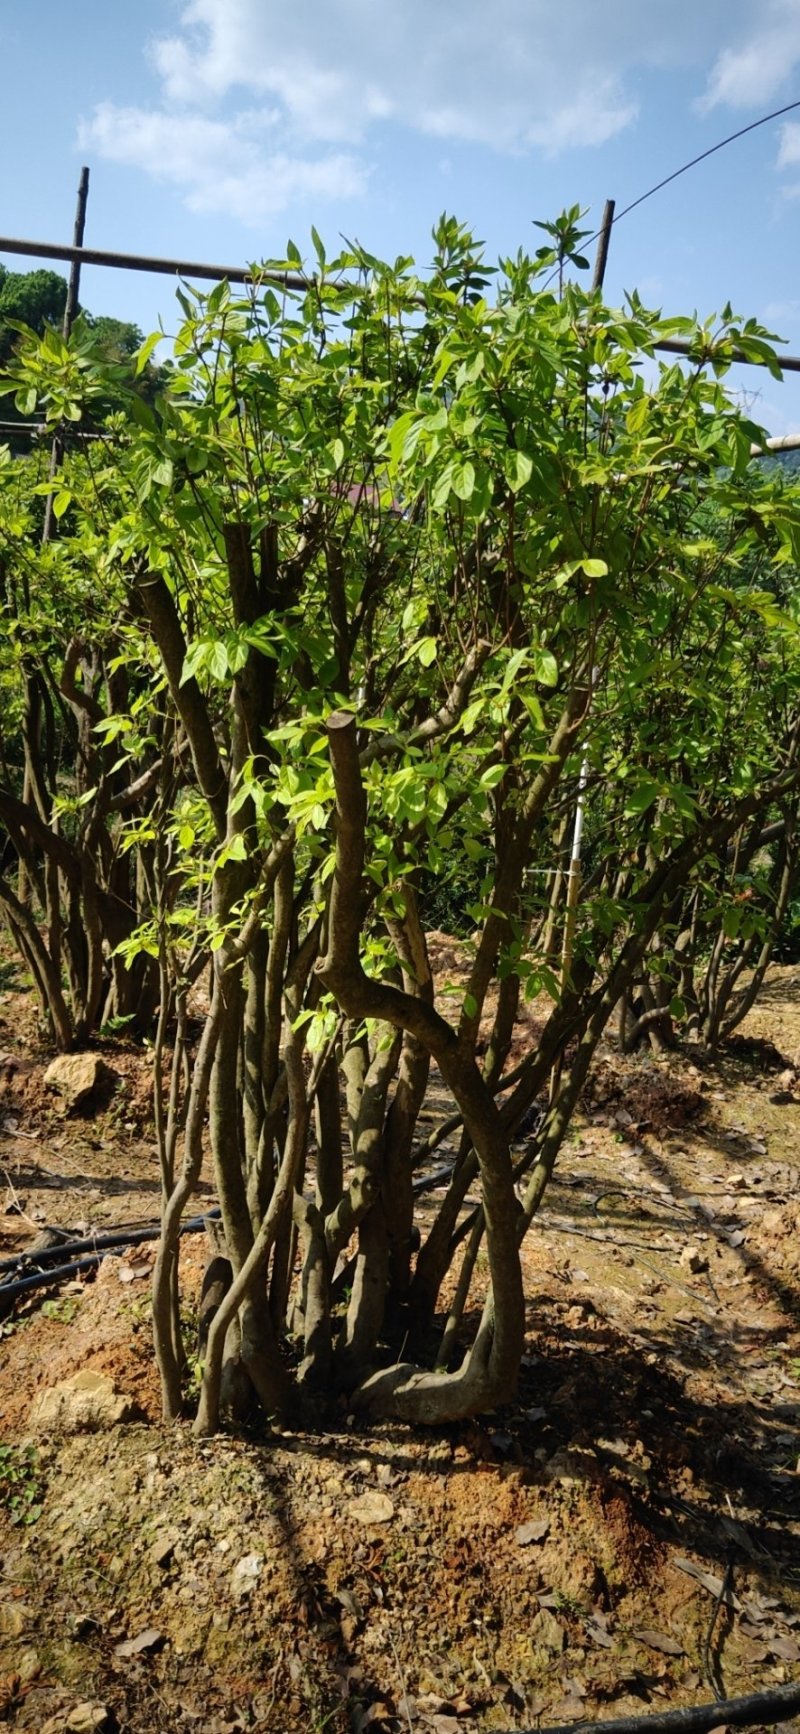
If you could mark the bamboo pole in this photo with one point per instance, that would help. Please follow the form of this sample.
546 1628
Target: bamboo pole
677 346
602 244
70 311
284 279
73 287
162 267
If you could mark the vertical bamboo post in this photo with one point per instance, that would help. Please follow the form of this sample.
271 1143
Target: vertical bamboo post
602 244
74 284
70 311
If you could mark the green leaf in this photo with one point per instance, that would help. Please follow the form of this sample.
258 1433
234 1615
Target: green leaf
545 666
218 660
637 414
642 796
144 353
463 482
493 775
518 469
426 651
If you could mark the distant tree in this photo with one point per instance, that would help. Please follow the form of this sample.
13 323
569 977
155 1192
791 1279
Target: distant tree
35 298
115 339
116 342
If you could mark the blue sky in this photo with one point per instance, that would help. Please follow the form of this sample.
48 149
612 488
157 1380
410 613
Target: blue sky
215 129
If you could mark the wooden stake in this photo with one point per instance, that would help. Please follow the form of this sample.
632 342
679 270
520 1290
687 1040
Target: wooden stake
70 312
74 284
602 244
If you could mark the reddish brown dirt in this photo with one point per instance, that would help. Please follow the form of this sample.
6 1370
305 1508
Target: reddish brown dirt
654 1446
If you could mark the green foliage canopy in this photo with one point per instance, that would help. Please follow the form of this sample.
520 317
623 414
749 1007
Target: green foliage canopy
388 572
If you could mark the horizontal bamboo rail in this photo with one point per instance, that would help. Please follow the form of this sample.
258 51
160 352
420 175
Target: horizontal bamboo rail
252 274
164 267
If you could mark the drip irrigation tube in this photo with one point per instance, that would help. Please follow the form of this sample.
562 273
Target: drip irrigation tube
437 1177
95 1242
94 1251
765 1707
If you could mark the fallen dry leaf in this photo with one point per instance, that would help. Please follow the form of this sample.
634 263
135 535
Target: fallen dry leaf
596 1630
787 1649
146 1640
660 1641
536 1530
714 1585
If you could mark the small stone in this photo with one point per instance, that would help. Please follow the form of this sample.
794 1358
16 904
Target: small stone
547 1633
162 1551
245 1575
83 1404
13 1620
27 1664
371 1508
76 1077
693 1260
86 1718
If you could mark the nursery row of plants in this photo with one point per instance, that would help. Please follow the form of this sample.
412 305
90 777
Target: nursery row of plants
324 647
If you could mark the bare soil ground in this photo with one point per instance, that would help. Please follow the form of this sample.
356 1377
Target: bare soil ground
624 1537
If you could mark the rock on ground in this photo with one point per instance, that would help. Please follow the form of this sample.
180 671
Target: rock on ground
76 1076
84 1403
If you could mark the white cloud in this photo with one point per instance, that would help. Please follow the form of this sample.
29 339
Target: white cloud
778 312
261 102
789 153
220 166
757 68
789 158
516 73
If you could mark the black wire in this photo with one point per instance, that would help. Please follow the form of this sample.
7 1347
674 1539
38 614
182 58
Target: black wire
710 1663
618 216
775 115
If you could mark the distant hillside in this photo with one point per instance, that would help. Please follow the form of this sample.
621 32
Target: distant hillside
783 460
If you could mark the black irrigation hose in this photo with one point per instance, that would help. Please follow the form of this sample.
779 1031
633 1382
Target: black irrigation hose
764 1707
437 1177
93 1243
95 1251
96 1247
47 1278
